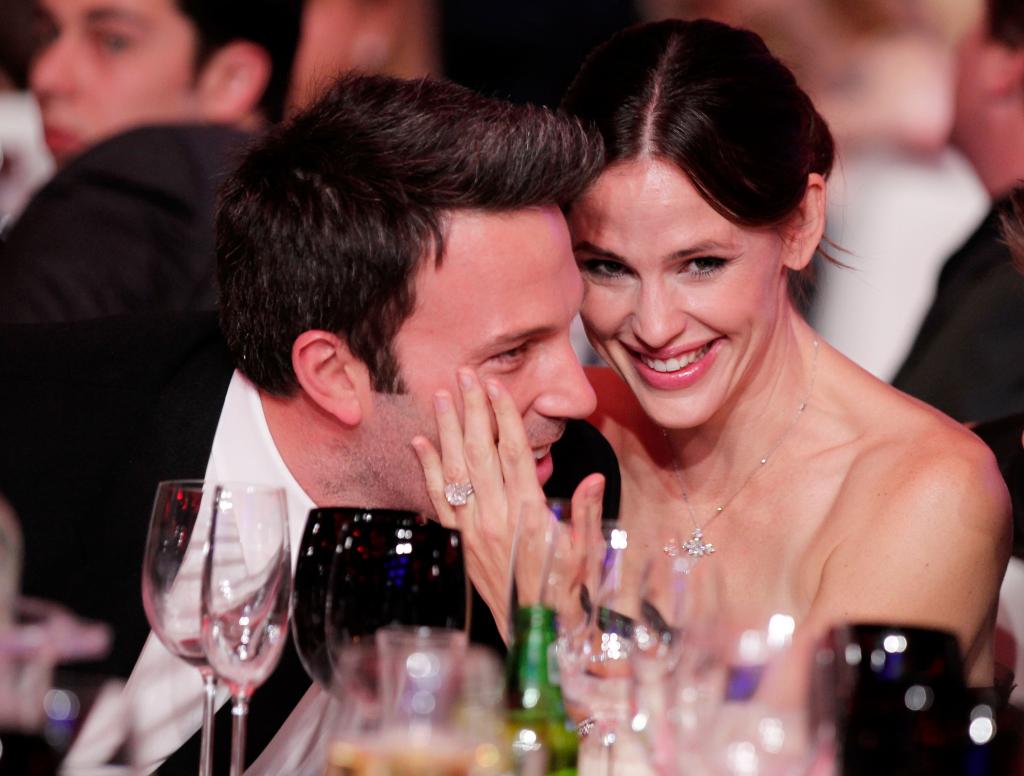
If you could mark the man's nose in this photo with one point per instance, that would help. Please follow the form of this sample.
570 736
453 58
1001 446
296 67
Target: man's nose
52 70
567 392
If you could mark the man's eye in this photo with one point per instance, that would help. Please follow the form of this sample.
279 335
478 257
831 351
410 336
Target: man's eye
602 268
512 354
113 42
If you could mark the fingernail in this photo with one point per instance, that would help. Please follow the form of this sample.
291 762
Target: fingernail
465 378
493 389
442 401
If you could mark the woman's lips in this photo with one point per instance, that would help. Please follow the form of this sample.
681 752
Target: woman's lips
680 371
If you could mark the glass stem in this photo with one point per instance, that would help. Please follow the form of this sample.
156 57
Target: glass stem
239 716
209 708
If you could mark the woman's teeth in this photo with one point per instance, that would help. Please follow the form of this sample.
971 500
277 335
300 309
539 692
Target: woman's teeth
675 364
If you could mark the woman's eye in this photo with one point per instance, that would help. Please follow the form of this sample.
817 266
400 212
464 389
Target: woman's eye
602 268
704 265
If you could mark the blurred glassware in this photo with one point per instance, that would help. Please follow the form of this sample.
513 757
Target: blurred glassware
38 718
760 720
898 699
546 596
246 589
422 702
595 658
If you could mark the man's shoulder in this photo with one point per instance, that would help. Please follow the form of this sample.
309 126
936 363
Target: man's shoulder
172 156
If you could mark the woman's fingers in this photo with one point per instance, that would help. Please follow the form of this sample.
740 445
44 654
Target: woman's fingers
449 432
430 462
587 508
479 452
517 463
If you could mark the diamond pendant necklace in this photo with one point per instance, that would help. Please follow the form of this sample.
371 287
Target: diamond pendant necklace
695 546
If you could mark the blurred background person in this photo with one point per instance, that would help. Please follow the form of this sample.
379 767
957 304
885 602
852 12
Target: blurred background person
968 357
144 105
24 160
397 37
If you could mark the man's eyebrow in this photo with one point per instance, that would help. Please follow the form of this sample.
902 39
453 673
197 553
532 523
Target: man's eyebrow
113 14
509 339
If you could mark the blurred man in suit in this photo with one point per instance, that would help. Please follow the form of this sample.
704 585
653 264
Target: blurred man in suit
968 357
145 105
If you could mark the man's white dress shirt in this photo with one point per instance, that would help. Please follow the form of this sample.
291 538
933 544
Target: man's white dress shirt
163 696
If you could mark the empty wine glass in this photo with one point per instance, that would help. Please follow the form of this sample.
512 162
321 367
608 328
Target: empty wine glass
172 571
245 593
597 675
759 725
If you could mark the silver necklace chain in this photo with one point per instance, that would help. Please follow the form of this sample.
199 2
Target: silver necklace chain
695 546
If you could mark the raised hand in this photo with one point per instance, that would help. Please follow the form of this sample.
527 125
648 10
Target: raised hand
489 449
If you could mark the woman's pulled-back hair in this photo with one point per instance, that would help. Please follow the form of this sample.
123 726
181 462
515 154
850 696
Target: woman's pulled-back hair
712 100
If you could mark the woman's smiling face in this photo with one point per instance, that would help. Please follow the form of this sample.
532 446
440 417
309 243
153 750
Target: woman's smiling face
680 301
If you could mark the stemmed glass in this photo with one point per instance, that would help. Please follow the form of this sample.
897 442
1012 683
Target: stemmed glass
598 679
246 587
172 570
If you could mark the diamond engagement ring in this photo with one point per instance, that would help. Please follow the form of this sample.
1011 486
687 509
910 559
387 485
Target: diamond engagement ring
457 493
583 728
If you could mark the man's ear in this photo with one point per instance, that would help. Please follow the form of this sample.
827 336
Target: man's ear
804 229
232 82
1003 70
333 378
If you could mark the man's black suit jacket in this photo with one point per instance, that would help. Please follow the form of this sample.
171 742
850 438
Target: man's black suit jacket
968 357
92 416
127 227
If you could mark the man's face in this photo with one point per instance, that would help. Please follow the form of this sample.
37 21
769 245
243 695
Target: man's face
501 302
104 66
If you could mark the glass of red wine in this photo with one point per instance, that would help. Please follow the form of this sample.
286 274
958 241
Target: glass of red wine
393 567
360 569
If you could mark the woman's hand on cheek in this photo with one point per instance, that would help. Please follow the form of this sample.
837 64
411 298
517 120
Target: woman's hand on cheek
503 476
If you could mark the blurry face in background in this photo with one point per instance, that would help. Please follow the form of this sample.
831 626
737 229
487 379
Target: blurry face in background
105 66
968 94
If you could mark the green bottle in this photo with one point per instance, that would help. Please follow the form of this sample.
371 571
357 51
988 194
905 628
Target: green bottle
543 739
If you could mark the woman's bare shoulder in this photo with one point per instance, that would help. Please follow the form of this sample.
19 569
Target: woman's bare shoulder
920 464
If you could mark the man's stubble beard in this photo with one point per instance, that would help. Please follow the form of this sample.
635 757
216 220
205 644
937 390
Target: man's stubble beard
377 465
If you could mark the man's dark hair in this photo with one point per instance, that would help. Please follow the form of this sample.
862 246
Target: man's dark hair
1006 22
271 24
326 222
